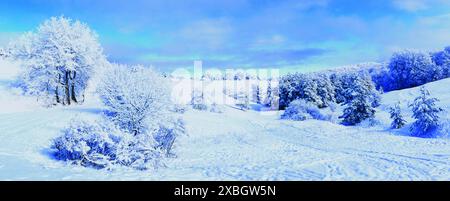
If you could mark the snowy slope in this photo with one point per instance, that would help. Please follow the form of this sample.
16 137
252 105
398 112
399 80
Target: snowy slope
236 145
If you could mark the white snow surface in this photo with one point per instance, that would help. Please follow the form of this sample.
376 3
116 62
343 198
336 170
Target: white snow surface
236 145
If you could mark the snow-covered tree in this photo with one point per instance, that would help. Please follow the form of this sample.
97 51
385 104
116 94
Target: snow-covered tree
325 90
412 68
3 53
315 88
269 94
59 59
258 93
138 99
339 87
358 110
396 116
442 60
243 101
425 112
360 106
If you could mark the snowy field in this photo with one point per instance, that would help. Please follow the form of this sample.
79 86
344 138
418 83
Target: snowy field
235 144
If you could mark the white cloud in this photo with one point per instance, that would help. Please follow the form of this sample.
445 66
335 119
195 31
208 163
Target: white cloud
210 33
411 5
418 5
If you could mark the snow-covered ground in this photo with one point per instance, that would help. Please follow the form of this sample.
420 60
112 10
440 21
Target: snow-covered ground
236 145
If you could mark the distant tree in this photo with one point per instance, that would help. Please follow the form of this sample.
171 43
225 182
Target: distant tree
258 94
411 68
442 60
243 101
3 53
396 116
59 59
425 112
269 95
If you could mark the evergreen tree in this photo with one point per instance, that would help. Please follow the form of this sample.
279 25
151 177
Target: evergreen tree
425 112
358 110
258 94
325 90
396 116
269 93
360 106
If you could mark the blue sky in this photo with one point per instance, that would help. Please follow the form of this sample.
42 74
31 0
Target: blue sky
298 35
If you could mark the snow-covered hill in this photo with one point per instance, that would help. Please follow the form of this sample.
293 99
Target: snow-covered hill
236 145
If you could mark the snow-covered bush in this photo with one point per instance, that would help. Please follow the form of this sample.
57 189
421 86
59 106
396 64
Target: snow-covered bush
300 110
425 112
101 144
166 135
88 143
3 53
243 101
179 108
396 116
412 68
138 99
59 59
198 101
216 108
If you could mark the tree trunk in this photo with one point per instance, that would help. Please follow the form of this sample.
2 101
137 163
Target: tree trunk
67 88
57 89
73 94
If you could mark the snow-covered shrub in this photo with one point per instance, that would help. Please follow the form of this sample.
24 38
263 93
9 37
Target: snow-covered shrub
138 99
166 135
59 59
425 112
396 116
300 110
87 143
3 53
179 108
101 144
411 68
198 101
243 101
216 108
